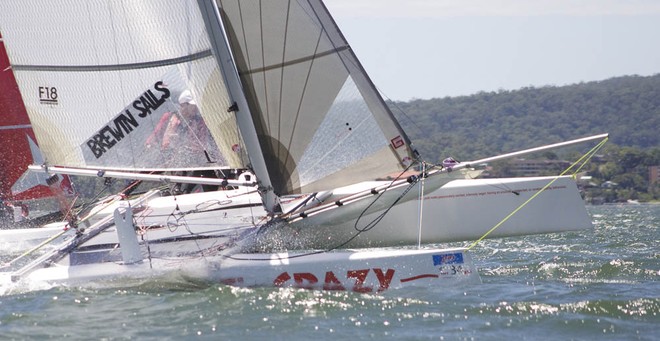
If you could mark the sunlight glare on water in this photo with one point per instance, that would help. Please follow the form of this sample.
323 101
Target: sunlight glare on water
600 284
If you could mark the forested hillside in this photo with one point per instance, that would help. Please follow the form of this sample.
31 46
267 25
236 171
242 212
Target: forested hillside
490 123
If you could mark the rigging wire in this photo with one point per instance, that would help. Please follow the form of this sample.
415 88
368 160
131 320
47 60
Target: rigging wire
177 218
107 185
412 180
73 223
583 160
421 206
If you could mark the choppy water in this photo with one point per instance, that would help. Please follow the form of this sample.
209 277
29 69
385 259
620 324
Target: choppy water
595 285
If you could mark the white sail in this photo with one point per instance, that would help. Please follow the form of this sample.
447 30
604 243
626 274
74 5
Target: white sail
320 121
97 78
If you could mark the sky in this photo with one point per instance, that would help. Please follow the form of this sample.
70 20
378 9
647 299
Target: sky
437 48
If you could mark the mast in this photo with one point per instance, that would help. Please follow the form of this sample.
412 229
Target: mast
216 32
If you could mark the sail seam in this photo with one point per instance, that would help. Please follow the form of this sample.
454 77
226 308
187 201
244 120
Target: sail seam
117 67
300 102
296 61
279 111
20 126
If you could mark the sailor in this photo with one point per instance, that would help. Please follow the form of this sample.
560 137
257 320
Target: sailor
187 130
188 138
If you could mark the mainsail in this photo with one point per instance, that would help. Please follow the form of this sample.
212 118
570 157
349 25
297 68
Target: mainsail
97 78
321 123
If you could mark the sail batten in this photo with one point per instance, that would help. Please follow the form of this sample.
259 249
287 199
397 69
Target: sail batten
297 61
115 67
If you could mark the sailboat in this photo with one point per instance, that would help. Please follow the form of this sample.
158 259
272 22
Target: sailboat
19 187
321 187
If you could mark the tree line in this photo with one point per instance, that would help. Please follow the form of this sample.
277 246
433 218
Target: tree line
492 123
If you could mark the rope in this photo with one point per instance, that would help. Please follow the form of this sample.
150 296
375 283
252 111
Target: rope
70 224
28 252
588 156
591 153
360 230
421 205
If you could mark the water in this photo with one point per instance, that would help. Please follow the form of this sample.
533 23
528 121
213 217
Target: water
595 285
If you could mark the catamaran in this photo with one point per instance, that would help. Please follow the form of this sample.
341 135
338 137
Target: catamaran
320 186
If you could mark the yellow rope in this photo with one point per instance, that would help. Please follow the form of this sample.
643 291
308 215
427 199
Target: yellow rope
588 156
591 153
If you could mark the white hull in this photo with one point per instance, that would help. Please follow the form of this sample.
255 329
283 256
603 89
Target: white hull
360 271
18 240
461 210
21 235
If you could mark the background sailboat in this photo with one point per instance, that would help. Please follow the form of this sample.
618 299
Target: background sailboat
19 188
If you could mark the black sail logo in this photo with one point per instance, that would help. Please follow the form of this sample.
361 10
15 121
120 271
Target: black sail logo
48 95
128 120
